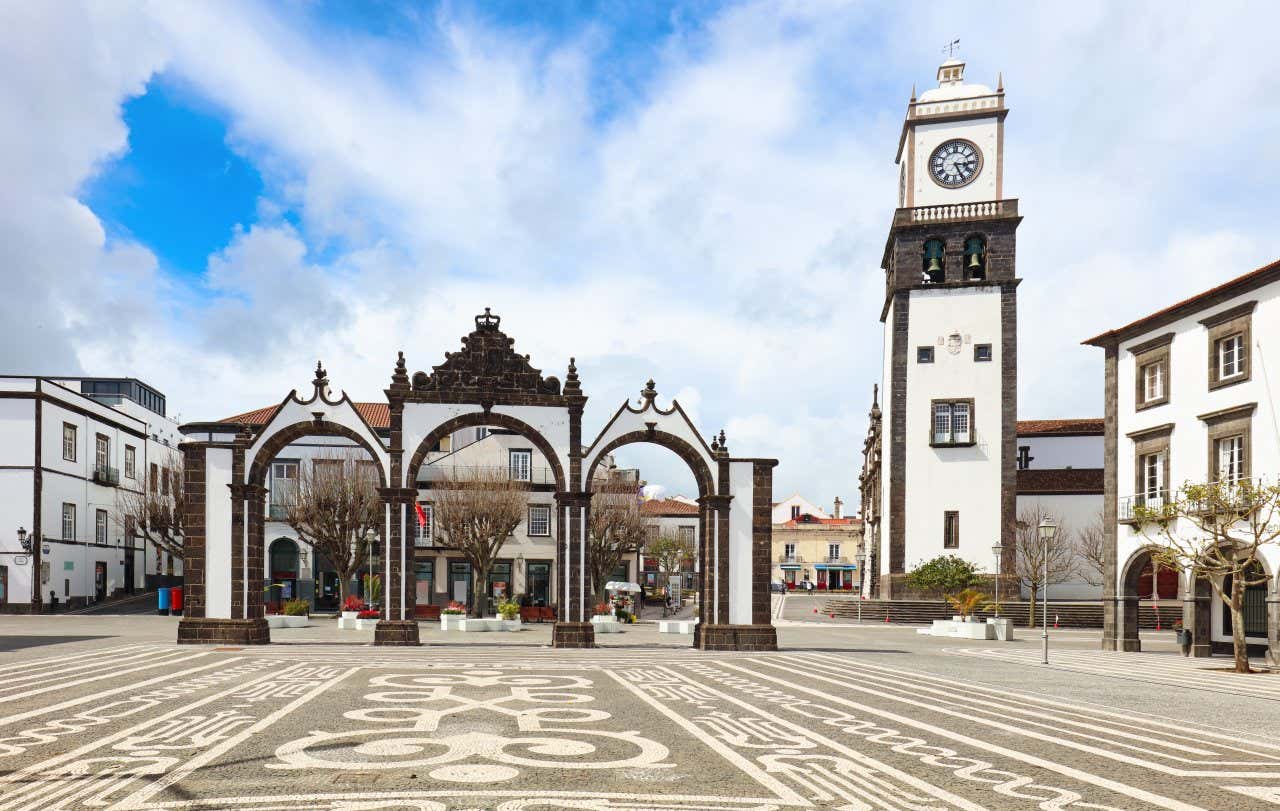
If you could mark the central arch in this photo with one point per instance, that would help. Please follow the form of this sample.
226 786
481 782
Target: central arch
479 419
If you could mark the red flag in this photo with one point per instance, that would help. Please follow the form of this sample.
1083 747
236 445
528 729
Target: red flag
422 515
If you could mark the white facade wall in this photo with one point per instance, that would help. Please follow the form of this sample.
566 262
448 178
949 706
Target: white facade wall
782 510
965 479
73 558
1189 397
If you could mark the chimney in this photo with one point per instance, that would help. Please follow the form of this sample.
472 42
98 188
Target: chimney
836 513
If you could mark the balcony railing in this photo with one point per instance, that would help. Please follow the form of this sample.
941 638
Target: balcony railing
109 476
790 558
1217 497
991 209
462 473
421 541
278 512
835 559
1129 506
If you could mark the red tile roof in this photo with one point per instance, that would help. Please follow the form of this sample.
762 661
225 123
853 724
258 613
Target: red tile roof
1210 297
1090 425
1060 481
378 415
668 507
807 520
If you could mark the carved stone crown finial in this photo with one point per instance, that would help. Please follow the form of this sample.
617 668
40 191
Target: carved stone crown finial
648 393
487 320
724 446
322 379
400 377
715 445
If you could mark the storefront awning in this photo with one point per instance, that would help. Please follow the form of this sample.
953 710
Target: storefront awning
846 567
791 567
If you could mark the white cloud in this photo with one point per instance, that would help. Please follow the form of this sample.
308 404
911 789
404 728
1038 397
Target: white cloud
720 232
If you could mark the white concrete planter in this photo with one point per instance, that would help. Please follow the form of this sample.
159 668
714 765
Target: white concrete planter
676 626
275 621
366 625
296 622
347 621
452 622
961 630
1003 628
506 625
606 624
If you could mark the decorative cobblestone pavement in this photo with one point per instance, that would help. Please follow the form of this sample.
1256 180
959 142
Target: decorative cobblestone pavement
845 719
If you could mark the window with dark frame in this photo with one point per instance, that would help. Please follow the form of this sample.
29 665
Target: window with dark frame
1230 354
426 531
1229 453
1229 336
68 521
795 511
539 521
130 462
101 452
924 354
520 463
951 529
68 442
982 353
952 423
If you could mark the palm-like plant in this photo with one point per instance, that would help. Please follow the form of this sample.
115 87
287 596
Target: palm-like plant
966 602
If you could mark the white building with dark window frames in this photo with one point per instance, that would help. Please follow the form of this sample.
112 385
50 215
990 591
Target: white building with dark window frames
69 446
1190 398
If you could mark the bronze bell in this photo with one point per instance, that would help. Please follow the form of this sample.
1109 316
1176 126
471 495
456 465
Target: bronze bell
975 260
935 264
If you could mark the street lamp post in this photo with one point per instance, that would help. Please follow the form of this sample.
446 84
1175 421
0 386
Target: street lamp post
1048 529
861 557
996 549
31 545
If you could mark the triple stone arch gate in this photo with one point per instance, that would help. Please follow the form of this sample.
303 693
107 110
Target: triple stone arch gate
485 384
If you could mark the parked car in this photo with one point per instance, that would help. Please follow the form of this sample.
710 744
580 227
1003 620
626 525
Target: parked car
778 587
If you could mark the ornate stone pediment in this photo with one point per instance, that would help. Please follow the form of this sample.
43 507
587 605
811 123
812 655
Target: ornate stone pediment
486 370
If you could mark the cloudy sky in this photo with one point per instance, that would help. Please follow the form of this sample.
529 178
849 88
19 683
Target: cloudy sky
212 196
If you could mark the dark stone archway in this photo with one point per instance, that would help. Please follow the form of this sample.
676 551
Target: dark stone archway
484 419
697 465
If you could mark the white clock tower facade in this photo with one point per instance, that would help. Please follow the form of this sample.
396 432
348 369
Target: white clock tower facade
949 474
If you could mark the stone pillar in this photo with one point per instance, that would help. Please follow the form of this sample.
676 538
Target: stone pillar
397 625
1111 566
1197 614
255 507
573 628
1273 623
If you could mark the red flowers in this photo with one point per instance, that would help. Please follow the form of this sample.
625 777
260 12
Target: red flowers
352 603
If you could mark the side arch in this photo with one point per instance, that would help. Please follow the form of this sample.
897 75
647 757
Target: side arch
281 439
697 465
481 418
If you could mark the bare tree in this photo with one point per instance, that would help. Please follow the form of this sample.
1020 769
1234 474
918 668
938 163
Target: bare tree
476 514
1092 564
1217 531
1032 554
671 552
335 508
153 511
616 527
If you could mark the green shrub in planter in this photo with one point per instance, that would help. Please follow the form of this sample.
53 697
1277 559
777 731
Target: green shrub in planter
508 609
296 608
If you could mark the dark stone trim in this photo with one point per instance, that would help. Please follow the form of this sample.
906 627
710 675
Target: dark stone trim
1008 426
897 405
203 631
1163 429
973 422
396 632
573 635
1235 412
1230 314
1110 444
725 637
1155 343
697 465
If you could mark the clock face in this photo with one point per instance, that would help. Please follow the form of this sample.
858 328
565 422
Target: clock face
956 163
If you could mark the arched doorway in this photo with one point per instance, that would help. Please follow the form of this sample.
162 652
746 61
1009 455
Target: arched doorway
283 574
1144 580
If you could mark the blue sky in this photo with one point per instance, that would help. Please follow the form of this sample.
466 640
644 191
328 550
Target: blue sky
213 196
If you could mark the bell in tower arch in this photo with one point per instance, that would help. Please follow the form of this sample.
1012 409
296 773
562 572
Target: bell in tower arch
975 252
933 270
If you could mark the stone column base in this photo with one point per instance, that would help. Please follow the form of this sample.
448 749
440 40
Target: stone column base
735 637
573 635
1131 645
396 632
207 631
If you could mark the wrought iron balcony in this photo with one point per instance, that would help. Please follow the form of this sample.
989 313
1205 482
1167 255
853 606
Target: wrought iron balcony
835 559
109 476
1238 495
278 512
1130 506
790 558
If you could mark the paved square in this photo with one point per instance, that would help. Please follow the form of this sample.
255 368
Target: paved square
848 718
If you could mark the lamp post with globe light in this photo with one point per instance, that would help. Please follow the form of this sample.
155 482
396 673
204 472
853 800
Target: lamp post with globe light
996 549
1048 529
31 545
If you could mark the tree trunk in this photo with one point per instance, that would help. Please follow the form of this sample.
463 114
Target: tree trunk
479 591
1239 647
342 590
1031 613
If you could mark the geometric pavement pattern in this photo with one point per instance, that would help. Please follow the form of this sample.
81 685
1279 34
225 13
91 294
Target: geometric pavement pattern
150 726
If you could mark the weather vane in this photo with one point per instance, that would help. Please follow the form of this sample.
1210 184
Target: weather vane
950 48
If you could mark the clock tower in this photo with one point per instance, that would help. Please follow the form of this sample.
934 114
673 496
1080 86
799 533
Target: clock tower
950 374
